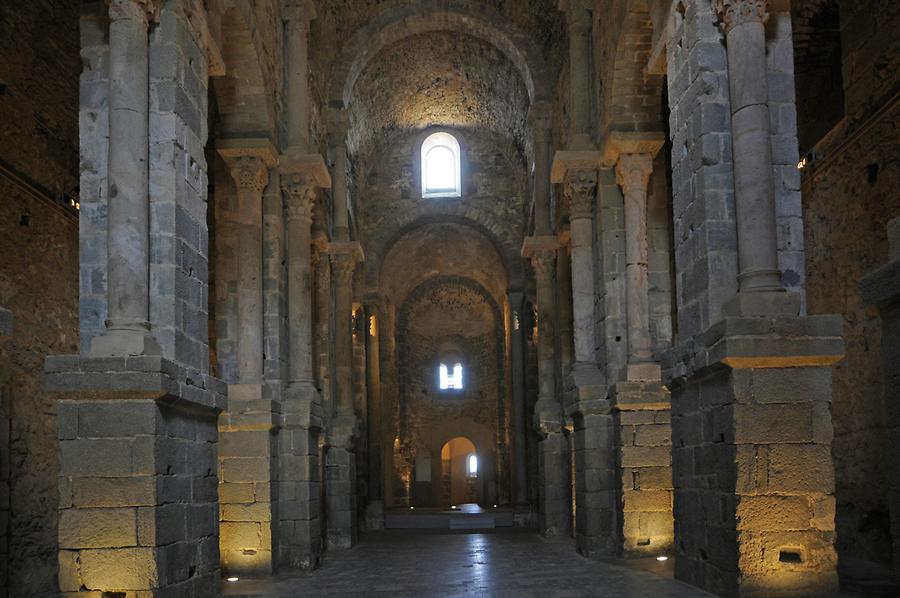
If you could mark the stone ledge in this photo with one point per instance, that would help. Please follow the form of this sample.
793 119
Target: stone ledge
565 161
352 248
74 377
296 161
882 286
640 396
534 244
758 342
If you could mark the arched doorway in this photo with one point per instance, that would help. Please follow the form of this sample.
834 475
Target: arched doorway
460 473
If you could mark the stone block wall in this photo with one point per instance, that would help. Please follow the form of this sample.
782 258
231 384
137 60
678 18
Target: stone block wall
178 186
643 442
39 68
703 210
754 481
849 195
137 498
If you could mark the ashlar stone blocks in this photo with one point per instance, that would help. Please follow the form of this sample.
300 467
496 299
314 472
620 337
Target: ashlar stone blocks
137 486
753 476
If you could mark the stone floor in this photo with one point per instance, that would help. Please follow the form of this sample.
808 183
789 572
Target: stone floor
510 563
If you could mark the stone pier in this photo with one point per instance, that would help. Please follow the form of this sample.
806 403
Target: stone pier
249 426
882 288
6 329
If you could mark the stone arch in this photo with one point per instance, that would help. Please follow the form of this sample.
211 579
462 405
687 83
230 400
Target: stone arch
465 16
631 97
482 223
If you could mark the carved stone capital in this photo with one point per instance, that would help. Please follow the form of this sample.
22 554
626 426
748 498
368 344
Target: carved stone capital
544 263
732 13
135 9
581 189
299 196
298 13
343 267
633 171
250 173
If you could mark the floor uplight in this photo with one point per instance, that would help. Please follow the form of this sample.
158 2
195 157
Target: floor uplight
662 558
233 578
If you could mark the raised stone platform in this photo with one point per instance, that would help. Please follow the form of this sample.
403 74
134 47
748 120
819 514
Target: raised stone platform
466 517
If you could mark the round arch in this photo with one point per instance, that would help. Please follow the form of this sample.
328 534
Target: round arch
464 16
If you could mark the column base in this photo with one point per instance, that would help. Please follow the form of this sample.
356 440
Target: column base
137 476
300 508
754 478
762 304
247 438
642 422
642 372
374 516
124 343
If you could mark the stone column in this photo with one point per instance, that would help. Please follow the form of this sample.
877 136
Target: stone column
578 20
554 506
249 162
299 483
520 418
247 429
339 122
564 303
340 458
375 506
633 175
297 14
744 24
128 216
882 288
540 119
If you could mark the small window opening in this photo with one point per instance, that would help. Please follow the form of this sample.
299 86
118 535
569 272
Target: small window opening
441 175
452 381
472 466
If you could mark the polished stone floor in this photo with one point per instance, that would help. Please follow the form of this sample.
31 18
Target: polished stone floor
511 562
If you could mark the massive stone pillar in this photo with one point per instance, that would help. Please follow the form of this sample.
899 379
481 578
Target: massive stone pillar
302 173
595 498
882 288
640 401
247 428
553 459
138 512
751 418
128 213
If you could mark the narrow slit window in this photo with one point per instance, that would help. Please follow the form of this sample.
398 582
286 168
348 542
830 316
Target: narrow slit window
441 175
472 465
451 381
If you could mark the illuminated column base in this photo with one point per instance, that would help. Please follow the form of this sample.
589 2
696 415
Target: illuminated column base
246 459
751 437
595 495
642 421
137 481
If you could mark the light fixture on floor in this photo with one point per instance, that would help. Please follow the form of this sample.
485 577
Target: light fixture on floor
495 506
452 506
412 508
661 558
233 578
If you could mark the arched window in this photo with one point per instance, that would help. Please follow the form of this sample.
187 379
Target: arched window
450 381
472 465
441 175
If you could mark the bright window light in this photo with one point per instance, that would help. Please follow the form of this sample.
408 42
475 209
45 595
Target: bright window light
472 465
454 381
441 166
